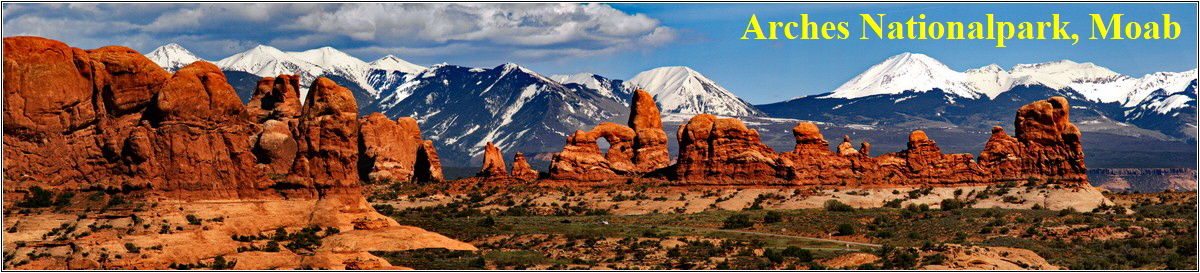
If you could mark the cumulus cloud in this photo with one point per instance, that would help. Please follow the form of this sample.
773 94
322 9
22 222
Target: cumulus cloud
525 31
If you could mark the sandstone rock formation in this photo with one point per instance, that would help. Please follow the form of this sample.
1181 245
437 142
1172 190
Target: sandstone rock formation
712 148
846 148
493 163
428 166
633 150
389 148
327 135
276 98
275 147
111 120
1046 144
581 159
522 170
724 151
650 144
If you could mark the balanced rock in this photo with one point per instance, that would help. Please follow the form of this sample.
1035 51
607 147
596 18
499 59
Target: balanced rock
389 148
809 140
650 144
493 163
327 135
846 148
522 170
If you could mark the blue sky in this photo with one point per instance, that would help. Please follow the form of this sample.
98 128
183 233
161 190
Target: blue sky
614 40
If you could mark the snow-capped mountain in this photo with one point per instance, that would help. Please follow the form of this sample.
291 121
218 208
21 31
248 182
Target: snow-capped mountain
266 61
334 62
679 89
610 88
172 57
393 63
913 90
905 72
463 108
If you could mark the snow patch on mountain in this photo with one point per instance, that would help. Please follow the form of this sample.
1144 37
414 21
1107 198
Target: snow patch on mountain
679 89
172 57
604 86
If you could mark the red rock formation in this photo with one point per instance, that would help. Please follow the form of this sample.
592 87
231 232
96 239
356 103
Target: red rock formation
846 148
1046 145
327 135
636 149
276 98
275 147
48 88
493 163
581 159
198 138
522 170
723 149
130 80
428 166
650 143
389 147
924 162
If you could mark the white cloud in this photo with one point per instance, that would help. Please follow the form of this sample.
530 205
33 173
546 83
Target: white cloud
524 30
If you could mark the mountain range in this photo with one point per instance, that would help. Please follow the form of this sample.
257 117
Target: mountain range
463 108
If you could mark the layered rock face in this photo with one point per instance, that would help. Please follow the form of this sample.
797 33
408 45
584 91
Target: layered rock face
633 150
391 150
327 134
723 151
493 163
110 118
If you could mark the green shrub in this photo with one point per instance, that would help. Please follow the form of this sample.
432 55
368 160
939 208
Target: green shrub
835 205
192 219
845 229
737 221
487 222
37 198
132 248
773 217
953 204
